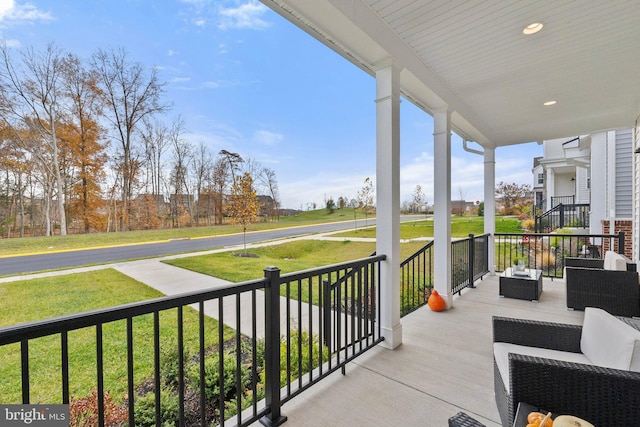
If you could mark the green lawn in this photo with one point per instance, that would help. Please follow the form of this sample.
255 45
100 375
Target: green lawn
16 246
39 299
289 257
460 227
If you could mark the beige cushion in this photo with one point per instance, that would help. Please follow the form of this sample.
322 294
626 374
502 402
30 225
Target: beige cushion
608 342
501 352
614 261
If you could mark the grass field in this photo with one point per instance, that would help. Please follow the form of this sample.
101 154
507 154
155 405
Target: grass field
62 295
289 257
460 227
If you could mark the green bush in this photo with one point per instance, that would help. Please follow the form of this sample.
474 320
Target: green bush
212 377
300 347
145 409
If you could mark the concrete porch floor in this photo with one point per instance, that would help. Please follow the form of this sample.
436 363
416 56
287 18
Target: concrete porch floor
444 365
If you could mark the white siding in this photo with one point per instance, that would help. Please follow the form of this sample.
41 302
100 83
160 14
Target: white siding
553 149
583 193
624 174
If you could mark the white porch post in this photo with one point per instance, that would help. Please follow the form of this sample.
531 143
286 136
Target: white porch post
490 203
388 199
442 204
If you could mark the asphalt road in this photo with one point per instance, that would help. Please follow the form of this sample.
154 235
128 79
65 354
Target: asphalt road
58 260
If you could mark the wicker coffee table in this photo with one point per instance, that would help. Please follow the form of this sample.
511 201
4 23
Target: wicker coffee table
525 285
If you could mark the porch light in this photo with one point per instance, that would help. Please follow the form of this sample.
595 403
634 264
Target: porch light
548 103
532 28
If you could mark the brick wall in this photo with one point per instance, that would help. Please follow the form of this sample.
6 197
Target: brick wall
619 225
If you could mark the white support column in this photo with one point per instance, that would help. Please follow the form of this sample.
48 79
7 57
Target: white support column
550 182
388 199
442 204
490 203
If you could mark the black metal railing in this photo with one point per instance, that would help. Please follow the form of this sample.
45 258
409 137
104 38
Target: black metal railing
469 262
563 215
547 252
240 367
564 200
416 279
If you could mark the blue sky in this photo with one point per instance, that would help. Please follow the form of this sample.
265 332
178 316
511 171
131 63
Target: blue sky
247 81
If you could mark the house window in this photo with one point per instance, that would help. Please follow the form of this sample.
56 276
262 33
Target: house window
540 178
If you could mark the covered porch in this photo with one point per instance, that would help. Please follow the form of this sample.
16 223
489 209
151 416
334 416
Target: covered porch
496 74
443 366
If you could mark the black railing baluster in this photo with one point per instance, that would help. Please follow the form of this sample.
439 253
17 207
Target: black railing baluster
201 354
238 362
130 385
326 312
254 352
64 348
156 365
181 367
274 416
471 260
221 359
310 328
100 374
24 362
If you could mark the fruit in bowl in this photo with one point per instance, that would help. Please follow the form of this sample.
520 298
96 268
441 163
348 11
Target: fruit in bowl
538 419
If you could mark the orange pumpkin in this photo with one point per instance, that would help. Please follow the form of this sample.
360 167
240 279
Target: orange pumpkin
436 302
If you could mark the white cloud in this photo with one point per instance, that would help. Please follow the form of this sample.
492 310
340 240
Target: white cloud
268 138
10 11
245 16
5 7
180 79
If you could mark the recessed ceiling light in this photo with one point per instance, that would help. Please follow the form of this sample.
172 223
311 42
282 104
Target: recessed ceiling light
553 102
533 28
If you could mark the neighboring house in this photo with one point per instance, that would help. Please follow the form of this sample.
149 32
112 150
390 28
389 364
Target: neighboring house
595 169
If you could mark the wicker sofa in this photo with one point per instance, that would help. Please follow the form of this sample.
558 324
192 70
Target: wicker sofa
566 369
611 284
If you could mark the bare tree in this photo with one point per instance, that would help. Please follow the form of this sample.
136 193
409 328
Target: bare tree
182 153
233 163
418 199
202 167
220 178
131 94
31 98
462 194
155 138
268 179
365 198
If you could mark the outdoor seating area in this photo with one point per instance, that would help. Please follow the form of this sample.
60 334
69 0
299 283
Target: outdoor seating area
590 371
611 283
444 366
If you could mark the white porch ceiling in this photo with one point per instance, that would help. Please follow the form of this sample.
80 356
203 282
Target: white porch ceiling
471 56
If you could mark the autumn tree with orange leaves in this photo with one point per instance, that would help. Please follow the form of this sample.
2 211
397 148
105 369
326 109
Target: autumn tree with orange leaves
243 208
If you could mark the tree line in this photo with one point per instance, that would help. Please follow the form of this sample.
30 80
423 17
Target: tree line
85 147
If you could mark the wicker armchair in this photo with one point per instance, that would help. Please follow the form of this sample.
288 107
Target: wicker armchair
605 397
617 292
